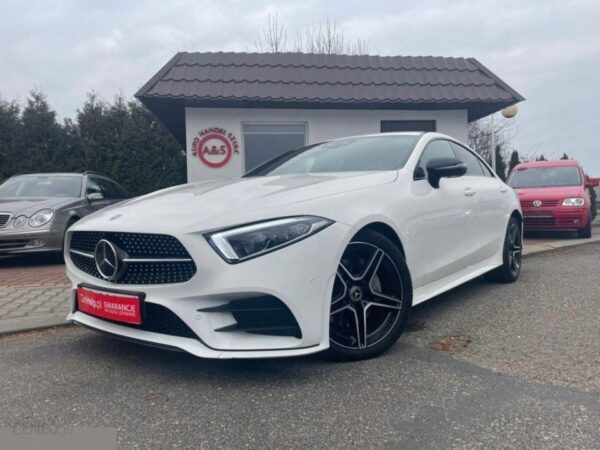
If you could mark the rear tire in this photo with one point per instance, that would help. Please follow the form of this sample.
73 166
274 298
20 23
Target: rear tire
586 232
512 255
371 298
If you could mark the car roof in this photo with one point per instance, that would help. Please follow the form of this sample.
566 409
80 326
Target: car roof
393 133
48 174
419 134
558 163
61 174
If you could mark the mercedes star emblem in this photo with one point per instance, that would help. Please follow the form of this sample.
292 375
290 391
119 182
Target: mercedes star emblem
107 259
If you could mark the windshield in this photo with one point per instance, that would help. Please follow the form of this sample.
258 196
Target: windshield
363 154
545 177
41 186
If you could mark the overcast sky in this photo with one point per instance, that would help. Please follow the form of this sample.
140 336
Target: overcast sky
547 50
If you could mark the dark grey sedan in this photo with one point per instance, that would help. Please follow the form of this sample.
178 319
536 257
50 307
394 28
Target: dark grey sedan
37 209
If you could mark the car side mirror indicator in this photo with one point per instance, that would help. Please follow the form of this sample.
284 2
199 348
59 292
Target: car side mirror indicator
94 197
438 168
592 182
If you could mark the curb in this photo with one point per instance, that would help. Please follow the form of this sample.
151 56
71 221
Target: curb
21 324
555 245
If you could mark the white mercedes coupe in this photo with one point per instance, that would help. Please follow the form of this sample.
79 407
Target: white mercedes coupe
323 248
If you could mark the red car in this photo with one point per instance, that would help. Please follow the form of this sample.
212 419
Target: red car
554 196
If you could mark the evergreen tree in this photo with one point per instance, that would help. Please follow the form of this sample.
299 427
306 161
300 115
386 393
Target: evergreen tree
514 161
9 129
120 139
500 163
564 157
541 158
150 158
39 138
593 199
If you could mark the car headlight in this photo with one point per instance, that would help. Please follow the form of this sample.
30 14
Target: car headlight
20 221
573 201
41 218
248 241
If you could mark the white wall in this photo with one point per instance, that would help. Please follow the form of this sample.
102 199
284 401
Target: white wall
321 125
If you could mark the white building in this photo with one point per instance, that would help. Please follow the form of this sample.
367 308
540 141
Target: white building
233 111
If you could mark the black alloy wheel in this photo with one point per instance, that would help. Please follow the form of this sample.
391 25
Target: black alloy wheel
372 295
515 248
512 255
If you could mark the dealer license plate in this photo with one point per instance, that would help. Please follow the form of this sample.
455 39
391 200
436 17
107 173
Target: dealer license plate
110 305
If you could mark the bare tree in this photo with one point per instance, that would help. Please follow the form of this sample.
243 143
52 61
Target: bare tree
273 38
327 38
324 37
480 137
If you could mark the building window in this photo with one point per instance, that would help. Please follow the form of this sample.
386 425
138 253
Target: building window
389 126
263 142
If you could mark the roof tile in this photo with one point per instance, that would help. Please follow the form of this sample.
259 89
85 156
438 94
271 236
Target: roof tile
320 81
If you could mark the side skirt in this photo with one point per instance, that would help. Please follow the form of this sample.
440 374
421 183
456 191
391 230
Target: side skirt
445 284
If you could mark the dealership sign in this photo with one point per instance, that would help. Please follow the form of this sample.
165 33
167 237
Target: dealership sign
215 146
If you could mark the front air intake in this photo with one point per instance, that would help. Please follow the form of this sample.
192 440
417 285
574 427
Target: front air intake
263 314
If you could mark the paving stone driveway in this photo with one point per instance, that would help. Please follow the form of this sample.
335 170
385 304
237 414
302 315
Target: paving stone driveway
34 291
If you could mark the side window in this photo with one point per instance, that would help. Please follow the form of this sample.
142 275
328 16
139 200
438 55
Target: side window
486 170
108 189
436 149
472 162
119 192
92 186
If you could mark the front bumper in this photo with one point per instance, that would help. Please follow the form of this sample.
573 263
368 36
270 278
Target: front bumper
300 275
555 219
15 242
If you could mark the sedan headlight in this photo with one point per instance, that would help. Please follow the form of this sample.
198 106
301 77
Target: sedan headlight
573 201
41 218
20 221
248 241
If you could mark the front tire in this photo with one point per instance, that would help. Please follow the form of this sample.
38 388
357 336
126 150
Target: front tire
586 232
372 296
512 255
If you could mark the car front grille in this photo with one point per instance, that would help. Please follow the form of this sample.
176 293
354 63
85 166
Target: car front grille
545 203
539 222
4 219
13 244
567 221
150 258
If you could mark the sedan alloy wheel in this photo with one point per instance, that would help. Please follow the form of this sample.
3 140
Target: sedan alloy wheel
368 305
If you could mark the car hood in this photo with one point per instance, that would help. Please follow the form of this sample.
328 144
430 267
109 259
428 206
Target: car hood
549 193
214 204
30 205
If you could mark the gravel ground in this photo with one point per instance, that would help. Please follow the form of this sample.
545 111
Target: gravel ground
528 378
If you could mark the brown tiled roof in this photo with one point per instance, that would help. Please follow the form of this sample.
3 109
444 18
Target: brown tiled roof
302 80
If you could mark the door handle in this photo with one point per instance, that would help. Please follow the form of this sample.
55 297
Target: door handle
470 192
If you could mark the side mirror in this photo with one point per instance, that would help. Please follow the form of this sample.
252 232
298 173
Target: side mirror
94 197
438 168
592 182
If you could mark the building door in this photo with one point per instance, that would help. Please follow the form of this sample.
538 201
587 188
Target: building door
263 142
390 126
